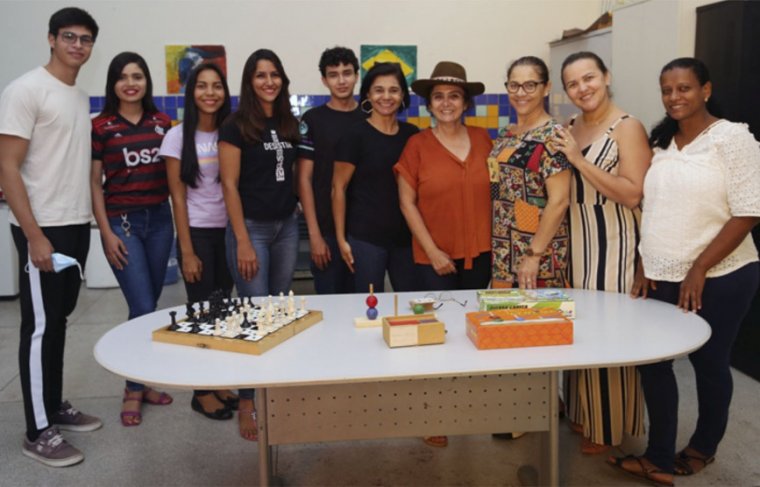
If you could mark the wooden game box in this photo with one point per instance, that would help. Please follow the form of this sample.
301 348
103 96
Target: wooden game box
492 299
410 330
268 342
513 328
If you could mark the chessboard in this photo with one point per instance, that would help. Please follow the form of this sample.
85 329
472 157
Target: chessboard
237 324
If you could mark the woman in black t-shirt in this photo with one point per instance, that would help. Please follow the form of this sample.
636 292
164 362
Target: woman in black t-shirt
257 150
371 231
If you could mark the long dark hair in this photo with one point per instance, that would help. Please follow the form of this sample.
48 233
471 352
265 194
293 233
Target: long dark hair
663 132
189 168
114 74
250 117
384 69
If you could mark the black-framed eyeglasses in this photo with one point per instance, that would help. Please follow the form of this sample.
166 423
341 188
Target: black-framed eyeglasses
71 38
528 86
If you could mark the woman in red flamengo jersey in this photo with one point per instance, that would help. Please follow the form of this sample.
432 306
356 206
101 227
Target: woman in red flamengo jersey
130 199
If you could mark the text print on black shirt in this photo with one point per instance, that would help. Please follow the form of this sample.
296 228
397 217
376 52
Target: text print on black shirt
276 145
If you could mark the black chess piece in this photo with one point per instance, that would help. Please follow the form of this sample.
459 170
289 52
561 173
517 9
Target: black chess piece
246 324
189 311
174 326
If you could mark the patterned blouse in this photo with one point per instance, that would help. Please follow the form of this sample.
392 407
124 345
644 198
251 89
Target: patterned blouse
519 166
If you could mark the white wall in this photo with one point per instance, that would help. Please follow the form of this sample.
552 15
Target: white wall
646 36
483 35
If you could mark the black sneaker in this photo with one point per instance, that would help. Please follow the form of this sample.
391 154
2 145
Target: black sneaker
69 418
52 450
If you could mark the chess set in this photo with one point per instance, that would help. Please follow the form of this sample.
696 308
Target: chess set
238 324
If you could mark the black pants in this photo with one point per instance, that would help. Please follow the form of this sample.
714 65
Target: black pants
475 278
725 301
208 245
46 299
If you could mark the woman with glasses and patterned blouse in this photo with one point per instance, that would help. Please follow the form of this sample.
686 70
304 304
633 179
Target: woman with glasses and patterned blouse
530 187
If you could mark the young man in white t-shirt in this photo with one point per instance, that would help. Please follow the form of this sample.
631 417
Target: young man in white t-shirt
44 173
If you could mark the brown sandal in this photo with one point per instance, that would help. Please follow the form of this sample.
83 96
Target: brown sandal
588 447
691 463
436 441
650 473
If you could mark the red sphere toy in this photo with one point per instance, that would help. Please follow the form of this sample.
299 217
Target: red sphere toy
371 301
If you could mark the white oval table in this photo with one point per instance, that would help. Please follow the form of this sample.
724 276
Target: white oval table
337 382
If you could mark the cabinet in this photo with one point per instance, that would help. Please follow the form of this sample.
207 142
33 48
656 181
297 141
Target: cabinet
8 256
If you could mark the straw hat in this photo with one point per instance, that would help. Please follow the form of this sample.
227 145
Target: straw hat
449 73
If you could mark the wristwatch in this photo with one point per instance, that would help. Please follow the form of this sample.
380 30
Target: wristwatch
530 253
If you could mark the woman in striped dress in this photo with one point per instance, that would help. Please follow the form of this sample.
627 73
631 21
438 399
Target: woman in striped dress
610 156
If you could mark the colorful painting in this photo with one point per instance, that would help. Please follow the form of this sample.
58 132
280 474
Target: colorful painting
406 56
180 61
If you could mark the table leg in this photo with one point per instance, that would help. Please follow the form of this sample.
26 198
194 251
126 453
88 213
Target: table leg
550 445
265 457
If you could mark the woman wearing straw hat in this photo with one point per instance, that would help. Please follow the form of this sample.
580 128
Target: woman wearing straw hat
443 190
443 186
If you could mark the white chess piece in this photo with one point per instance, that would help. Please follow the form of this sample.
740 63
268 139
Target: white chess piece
303 304
217 327
291 305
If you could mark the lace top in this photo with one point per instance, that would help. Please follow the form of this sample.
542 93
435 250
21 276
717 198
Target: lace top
690 194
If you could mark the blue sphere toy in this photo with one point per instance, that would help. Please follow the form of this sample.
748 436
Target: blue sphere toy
372 313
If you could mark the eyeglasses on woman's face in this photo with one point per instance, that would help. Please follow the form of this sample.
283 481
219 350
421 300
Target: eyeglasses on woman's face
528 86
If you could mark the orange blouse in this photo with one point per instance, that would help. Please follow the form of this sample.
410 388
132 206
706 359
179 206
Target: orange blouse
453 196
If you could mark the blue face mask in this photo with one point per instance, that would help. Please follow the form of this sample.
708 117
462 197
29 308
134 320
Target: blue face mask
61 262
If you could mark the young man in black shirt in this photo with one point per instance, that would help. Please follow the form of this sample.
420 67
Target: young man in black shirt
321 129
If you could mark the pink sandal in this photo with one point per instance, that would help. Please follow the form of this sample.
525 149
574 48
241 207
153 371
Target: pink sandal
131 418
164 399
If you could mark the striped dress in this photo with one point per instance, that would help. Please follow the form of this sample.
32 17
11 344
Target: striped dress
603 239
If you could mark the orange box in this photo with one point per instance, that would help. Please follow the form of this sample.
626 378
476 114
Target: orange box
512 328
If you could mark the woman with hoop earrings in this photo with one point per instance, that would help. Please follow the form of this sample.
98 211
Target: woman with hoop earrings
371 231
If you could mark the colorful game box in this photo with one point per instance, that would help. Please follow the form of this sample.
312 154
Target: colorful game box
512 328
551 298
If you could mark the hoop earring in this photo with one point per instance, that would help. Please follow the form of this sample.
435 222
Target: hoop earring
364 108
403 106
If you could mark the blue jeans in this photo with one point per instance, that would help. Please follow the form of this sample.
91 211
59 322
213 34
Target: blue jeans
149 242
276 246
336 278
371 261
725 301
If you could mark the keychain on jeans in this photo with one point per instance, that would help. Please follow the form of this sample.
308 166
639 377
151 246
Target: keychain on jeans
125 225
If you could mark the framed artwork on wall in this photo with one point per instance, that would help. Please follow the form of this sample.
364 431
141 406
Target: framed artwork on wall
406 56
181 59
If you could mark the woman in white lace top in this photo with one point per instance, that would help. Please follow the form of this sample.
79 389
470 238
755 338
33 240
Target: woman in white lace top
701 200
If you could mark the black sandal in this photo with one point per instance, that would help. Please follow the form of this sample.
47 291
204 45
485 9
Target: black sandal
646 473
219 414
689 464
232 403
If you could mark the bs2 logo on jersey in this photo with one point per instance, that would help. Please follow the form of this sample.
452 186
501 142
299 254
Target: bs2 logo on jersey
144 156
